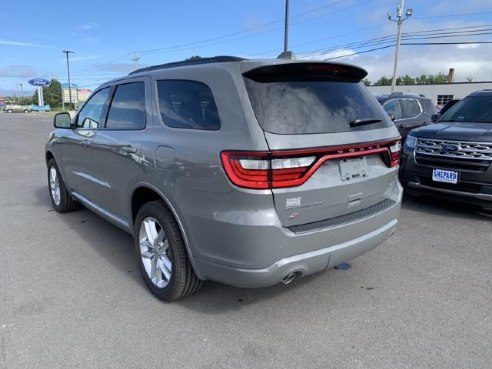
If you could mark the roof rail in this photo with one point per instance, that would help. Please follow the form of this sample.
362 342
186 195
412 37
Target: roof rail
407 93
183 63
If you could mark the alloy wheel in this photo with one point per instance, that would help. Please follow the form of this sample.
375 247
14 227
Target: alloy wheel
55 186
155 252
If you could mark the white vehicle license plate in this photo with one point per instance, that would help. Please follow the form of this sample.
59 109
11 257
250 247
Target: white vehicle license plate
446 176
353 168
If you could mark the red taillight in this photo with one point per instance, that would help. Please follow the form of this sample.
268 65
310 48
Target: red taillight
280 169
395 149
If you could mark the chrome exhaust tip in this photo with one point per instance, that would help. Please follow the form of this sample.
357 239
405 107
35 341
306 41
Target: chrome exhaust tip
290 277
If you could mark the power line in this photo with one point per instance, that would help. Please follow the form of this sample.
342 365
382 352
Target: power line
423 35
410 44
389 38
227 37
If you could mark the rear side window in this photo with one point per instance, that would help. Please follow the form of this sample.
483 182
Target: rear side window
428 106
311 105
187 104
393 107
127 110
410 108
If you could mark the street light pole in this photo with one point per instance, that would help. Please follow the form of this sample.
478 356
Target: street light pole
400 19
68 72
22 92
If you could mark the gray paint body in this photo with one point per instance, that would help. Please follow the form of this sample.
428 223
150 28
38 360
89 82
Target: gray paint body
233 235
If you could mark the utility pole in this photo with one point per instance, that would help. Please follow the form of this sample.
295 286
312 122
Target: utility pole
135 59
399 20
68 73
286 26
22 92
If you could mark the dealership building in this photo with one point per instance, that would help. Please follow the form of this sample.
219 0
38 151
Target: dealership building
440 93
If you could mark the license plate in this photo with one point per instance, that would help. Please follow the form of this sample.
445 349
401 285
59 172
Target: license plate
446 176
353 168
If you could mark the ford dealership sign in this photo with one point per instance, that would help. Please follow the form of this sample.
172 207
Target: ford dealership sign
39 82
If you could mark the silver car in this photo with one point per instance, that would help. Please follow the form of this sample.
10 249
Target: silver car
246 172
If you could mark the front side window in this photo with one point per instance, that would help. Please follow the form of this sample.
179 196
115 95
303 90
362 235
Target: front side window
410 108
187 104
127 110
91 116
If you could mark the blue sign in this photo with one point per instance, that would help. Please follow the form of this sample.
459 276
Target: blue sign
39 82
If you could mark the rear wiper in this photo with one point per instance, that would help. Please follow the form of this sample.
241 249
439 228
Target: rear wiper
363 122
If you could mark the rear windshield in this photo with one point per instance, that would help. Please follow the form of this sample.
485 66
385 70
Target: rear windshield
300 107
471 109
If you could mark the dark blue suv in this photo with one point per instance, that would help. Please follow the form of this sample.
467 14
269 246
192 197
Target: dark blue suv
408 110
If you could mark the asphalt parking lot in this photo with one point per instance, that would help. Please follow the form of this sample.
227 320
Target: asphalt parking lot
71 295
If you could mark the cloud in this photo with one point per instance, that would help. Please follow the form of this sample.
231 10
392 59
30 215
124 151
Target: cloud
418 60
468 46
17 71
88 26
121 68
25 44
89 40
347 54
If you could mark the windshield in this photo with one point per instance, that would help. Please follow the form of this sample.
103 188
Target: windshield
300 107
477 109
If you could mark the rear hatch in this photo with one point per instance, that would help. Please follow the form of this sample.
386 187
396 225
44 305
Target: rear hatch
333 150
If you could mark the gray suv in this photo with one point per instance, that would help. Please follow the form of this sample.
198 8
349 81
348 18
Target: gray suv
239 171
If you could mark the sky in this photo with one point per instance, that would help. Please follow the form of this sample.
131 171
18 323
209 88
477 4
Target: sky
111 38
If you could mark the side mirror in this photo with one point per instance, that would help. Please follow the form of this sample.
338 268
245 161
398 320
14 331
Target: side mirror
392 116
435 117
62 120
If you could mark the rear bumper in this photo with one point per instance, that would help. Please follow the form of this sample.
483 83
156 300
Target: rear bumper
304 264
253 249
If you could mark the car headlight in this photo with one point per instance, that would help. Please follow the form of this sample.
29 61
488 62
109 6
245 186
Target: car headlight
411 142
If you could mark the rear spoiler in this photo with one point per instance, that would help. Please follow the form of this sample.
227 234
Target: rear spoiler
295 72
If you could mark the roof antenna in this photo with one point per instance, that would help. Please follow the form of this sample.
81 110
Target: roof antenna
287 55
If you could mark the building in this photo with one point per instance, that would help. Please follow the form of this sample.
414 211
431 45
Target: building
440 93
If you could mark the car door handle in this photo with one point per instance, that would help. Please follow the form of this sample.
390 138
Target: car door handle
129 149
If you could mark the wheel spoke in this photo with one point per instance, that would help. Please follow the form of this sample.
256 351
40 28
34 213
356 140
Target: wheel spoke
158 275
161 236
153 268
165 266
147 254
165 246
147 244
150 229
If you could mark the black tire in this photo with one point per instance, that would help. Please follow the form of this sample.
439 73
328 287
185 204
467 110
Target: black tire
66 203
183 281
9 111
